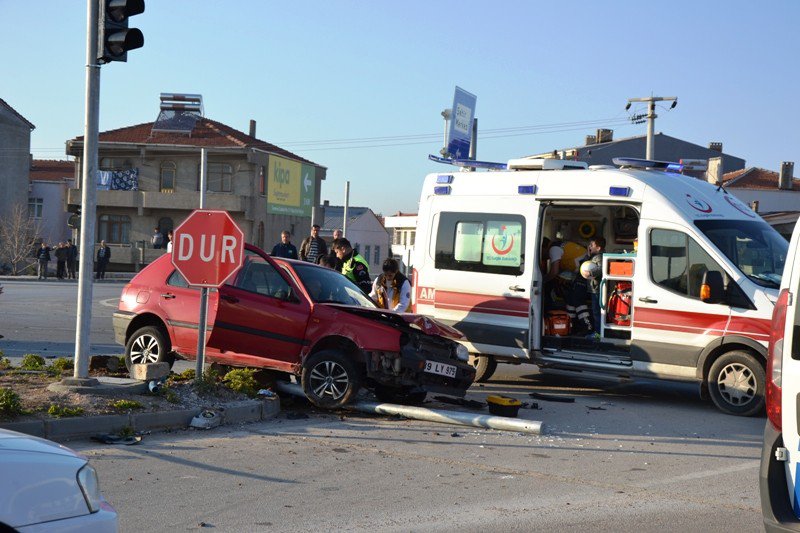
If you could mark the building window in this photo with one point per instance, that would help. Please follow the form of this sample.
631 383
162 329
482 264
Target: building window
110 163
262 181
398 237
114 229
366 252
260 237
168 170
35 207
218 178
377 255
412 237
165 225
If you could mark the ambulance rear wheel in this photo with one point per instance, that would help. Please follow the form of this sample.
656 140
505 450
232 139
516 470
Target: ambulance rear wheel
736 384
484 365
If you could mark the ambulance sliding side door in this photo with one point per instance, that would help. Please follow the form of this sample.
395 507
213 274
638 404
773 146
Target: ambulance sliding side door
484 263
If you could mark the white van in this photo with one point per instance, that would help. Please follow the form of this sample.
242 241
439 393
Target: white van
478 266
780 455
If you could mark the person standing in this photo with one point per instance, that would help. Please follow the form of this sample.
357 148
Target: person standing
354 267
392 290
157 239
42 260
61 260
596 248
103 257
169 241
285 248
72 259
313 247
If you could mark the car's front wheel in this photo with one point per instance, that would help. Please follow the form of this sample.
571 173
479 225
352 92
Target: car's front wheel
736 383
149 344
330 379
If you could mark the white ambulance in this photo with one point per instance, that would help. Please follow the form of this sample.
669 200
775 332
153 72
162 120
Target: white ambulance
702 283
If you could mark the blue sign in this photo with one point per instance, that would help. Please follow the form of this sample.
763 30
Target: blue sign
459 135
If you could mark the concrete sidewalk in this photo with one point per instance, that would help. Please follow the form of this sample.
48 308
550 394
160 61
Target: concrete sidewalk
111 277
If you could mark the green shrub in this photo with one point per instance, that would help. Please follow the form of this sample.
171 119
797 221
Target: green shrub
31 361
61 365
168 394
5 362
10 404
125 405
208 384
186 375
59 411
241 380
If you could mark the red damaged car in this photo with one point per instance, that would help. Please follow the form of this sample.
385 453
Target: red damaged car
298 318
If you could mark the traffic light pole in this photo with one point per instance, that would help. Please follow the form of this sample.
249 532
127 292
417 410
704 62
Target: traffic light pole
88 201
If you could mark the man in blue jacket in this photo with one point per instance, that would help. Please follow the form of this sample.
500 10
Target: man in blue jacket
285 248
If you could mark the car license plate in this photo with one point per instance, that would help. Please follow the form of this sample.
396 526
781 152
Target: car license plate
440 368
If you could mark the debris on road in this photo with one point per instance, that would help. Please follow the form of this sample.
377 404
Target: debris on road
205 420
108 438
470 404
551 397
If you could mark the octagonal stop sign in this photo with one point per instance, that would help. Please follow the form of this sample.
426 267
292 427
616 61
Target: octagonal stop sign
207 248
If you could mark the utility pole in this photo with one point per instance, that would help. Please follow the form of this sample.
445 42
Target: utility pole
346 207
651 117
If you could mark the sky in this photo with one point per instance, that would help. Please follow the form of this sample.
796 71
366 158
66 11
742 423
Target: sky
359 86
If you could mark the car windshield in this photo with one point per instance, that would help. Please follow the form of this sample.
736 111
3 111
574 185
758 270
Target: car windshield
329 286
752 245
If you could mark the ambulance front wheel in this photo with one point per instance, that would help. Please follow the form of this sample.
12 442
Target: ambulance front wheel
484 365
737 383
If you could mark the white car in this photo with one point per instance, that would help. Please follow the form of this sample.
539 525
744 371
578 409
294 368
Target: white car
779 478
48 487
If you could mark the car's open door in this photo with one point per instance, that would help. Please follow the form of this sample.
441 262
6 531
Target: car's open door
261 313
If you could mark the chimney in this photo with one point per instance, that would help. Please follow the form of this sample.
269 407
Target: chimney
754 206
591 139
786 176
714 171
326 203
252 128
605 135
717 147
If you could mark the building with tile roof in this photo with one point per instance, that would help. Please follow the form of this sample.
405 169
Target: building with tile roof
150 177
364 231
15 149
49 182
773 195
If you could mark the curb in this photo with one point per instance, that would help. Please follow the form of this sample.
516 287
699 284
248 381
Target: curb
63 429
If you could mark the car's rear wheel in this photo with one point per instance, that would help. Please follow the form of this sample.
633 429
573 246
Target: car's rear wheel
401 395
736 383
484 365
330 379
149 344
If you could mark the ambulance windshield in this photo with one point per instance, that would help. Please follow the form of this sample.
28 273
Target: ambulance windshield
752 245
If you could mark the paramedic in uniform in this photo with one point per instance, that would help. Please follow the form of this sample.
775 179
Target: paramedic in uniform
392 289
561 256
354 267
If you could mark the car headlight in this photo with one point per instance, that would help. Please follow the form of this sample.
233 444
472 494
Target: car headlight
462 354
90 485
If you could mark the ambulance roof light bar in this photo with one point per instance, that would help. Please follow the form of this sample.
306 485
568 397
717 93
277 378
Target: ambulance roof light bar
633 162
531 163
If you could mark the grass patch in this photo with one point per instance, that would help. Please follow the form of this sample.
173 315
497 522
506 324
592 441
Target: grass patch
60 411
31 361
241 380
208 384
125 405
10 404
168 394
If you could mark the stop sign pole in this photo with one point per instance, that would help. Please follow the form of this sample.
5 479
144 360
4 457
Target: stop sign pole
208 249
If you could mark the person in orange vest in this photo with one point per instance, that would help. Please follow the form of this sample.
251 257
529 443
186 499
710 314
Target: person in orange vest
392 290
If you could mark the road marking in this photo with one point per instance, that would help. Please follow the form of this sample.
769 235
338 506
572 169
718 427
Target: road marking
747 465
110 302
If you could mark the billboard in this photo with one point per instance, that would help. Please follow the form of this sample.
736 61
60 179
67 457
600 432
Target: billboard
290 187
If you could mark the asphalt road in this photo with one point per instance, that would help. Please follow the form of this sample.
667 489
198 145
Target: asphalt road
634 456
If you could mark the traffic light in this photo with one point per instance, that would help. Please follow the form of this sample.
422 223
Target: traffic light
114 36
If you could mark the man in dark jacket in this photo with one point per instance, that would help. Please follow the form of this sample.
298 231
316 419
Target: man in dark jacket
285 248
42 259
72 259
313 246
103 258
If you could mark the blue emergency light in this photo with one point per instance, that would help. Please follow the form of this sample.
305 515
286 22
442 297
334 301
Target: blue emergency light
444 178
442 190
526 189
619 191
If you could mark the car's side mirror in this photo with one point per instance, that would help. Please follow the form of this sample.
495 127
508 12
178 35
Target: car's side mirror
712 291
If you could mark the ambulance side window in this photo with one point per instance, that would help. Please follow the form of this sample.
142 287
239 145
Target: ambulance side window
481 242
678 263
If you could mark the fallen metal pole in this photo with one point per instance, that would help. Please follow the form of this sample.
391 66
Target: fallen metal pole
459 418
